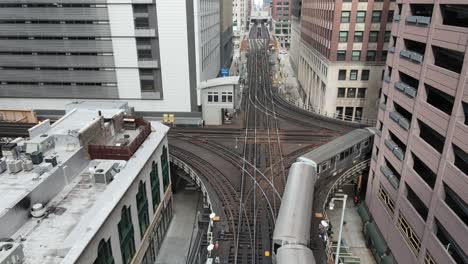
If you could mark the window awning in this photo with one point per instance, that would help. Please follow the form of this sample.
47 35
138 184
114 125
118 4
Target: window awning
363 211
378 242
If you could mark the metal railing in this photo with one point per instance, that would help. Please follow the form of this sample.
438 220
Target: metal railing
344 178
345 118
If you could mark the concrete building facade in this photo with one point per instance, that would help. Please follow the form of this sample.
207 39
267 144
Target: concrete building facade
145 52
226 27
417 189
342 52
240 17
94 187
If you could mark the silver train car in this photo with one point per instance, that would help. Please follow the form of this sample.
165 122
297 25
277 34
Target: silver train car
295 254
341 153
293 222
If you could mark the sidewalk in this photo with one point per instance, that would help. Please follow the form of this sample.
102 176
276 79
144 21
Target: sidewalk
289 84
352 236
175 247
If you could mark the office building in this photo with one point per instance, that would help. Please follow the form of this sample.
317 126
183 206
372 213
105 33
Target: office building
93 187
342 53
150 53
226 27
280 15
417 189
240 17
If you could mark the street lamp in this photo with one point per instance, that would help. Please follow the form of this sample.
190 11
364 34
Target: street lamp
331 205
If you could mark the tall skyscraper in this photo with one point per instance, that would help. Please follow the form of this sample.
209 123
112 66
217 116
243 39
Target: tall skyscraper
147 52
341 55
417 189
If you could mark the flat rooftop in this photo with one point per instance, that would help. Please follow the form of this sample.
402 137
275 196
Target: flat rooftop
75 205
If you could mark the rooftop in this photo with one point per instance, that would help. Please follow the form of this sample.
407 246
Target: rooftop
75 200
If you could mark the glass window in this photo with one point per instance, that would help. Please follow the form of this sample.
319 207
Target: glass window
223 97
341 55
361 93
126 237
165 165
155 191
341 92
147 85
345 16
373 36
371 55
342 75
144 54
339 112
349 116
351 93
353 75
387 36
356 55
104 255
361 17
384 55
141 22
376 15
142 207
358 114
365 75
390 16
358 36
343 36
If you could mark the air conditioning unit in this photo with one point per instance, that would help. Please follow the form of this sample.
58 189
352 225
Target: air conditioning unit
11 252
14 166
27 165
3 165
10 151
104 172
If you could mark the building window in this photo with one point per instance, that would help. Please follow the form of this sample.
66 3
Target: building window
386 200
353 75
390 16
210 96
341 55
341 92
165 168
358 114
215 97
409 234
155 191
127 243
345 16
356 55
223 97
141 22
351 93
339 112
387 36
349 113
384 55
361 93
342 75
358 36
376 15
147 85
142 207
365 75
361 17
371 55
104 254
373 36
343 36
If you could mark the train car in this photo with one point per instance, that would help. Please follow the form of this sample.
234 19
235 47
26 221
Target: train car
293 222
295 254
342 153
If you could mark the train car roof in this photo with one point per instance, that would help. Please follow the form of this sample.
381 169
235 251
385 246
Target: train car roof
337 145
293 221
295 254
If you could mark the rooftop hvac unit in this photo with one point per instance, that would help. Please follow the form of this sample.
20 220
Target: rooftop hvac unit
11 252
14 166
52 160
41 143
36 157
27 165
104 173
9 151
